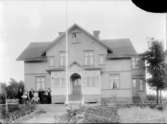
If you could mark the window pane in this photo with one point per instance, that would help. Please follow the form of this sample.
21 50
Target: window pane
56 82
134 82
101 59
62 58
51 61
141 84
114 81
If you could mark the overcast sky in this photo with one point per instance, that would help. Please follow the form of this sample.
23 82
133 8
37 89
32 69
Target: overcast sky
24 22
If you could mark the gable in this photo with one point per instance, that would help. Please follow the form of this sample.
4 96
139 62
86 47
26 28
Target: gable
81 29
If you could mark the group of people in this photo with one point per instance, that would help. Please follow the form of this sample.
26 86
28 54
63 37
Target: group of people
34 97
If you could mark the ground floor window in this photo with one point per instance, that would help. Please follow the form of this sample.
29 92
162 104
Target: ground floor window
91 81
141 87
40 82
114 81
59 82
138 84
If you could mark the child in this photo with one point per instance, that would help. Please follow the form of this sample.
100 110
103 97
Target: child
35 98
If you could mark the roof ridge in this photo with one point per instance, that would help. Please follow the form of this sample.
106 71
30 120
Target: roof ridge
115 39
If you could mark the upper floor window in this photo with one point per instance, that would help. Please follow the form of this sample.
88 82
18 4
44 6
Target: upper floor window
62 59
135 62
89 57
114 81
51 61
101 59
134 81
40 83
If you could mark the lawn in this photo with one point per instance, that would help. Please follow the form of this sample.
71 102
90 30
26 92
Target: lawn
131 114
142 115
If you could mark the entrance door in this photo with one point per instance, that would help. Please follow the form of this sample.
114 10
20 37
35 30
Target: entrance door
75 87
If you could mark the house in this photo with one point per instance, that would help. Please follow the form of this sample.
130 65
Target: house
93 69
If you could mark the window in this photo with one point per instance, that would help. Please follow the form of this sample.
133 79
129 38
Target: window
141 86
51 61
114 81
74 34
40 83
89 58
62 59
134 83
101 59
91 81
59 82
135 62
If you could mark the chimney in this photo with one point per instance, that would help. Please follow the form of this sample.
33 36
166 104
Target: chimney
60 33
96 33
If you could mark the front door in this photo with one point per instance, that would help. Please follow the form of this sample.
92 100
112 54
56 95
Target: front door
75 89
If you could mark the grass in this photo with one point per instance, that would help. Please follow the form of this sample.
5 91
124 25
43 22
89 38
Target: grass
15 111
93 114
142 115
121 114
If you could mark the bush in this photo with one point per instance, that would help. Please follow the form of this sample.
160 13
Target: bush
16 111
137 100
151 97
2 99
95 114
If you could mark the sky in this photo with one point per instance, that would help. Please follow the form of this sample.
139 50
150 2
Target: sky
22 22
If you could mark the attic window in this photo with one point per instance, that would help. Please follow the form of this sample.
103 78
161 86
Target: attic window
74 34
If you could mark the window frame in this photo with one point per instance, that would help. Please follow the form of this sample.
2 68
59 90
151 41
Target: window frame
101 55
111 85
49 60
134 86
135 61
89 57
62 58
141 84
40 82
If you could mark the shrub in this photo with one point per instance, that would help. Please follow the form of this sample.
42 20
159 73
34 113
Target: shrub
16 111
95 114
136 99
2 99
151 97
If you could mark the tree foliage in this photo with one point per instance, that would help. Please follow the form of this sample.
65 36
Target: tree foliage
156 67
11 90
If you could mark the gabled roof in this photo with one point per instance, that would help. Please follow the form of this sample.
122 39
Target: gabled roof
33 50
72 27
121 47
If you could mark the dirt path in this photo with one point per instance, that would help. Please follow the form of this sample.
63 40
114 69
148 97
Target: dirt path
44 114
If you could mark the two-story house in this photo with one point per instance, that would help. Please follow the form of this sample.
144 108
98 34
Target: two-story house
79 66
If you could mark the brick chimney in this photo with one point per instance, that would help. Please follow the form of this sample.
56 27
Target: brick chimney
96 33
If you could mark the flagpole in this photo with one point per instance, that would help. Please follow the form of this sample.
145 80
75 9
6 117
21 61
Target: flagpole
66 53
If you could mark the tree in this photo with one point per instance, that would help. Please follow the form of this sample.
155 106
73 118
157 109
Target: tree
155 59
13 88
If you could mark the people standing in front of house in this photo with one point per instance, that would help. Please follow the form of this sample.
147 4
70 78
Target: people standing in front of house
31 95
20 94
